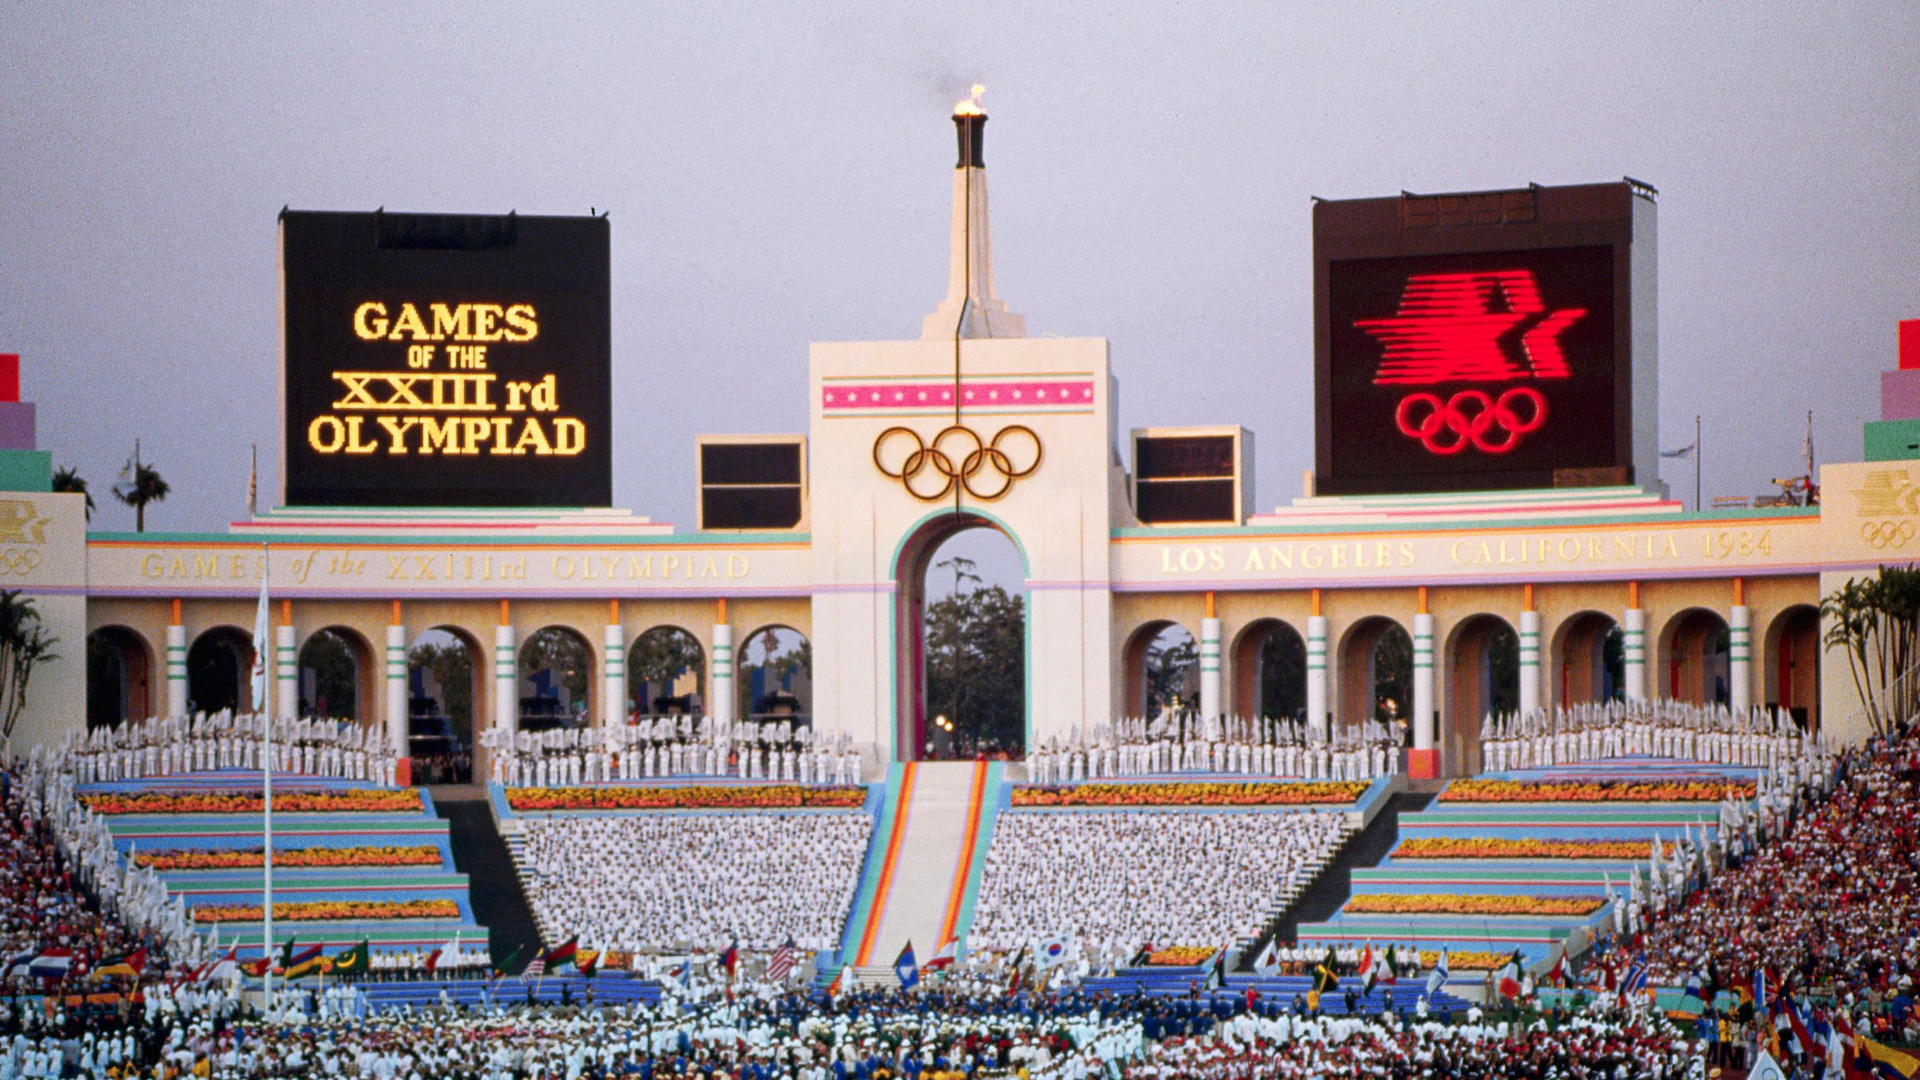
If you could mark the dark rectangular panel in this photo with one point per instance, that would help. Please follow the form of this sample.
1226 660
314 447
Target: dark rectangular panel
750 507
1184 500
446 360
750 463
1163 457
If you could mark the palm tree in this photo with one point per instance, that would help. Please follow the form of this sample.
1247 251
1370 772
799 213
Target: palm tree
67 479
24 643
147 487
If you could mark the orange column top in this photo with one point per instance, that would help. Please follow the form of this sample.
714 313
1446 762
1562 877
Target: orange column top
1633 594
1210 613
505 618
1739 592
286 612
1526 597
1316 601
613 611
396 613
722 617
1423 600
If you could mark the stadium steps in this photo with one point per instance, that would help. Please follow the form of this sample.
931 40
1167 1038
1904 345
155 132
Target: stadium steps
914 906
1323 896
498 900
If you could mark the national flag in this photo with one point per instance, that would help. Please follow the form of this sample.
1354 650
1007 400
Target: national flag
1888 1063
1798 1025
286 952
445 954
730 960
944 956
356 960
257 968
560 955
1019 959
906 969
1217 970
312 965
500 969
1760 991
125 966
1684 452
262 645
225 967
1324 979
1052 951
1368 970
1390 968
587 961
1636 978
839 984
536 968
1437 978
291 959
1141 958
1507 982
51 964
781 964
17 967
1557 975
1267 964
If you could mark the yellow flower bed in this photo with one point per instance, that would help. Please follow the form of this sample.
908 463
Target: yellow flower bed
691 797
1487 847
306 858
1471 904
1198 793
1466 961
352 800
1180 956
329 911
1553 791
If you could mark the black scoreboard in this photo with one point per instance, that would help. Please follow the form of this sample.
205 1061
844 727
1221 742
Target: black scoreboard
446 360
1483 341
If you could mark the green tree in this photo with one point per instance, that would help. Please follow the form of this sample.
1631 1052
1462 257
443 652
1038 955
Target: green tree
976 666
24 643
146 487
1875 622
67 479
452 668
1172 671
336 676
660 657
564 654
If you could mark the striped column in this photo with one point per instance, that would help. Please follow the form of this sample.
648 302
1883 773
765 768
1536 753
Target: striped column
1740 658
1423 763
506 680
397 720
1317 675
1209 668
176 669
615 681
1633 646
720 680
1529 661
286 674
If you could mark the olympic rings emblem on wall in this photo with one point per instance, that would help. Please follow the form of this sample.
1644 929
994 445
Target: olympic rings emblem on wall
1886 534
957 457
1470 418
20 561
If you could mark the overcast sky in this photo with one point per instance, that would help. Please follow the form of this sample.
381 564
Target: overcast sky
778 174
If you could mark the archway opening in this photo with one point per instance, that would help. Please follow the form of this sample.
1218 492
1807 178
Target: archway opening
1169 672
219 672
119 677
961 654
1270 671
666 674
1376 673
445 686
1793 665
556 679
1483 678
1592 660
774 666
1696 647
336 675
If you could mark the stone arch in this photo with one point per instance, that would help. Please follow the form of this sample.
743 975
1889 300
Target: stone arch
1269 658
1696 658
119 677
1162 665
220 671
1483 676
1791 660
557 672
336 672
447 688
666 673
912 560
773 675
1376 666
1589 659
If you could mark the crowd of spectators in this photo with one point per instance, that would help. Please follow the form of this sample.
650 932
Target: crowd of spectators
654 882
1831 907
1117 881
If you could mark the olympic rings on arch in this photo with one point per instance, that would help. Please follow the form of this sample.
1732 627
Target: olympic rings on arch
1470 418
957 456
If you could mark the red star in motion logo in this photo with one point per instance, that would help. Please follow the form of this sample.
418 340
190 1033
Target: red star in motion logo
1450 326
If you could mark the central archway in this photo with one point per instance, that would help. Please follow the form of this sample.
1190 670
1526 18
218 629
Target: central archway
1483 678
960 650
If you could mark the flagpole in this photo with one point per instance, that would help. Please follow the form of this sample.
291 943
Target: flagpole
1697 448
266 785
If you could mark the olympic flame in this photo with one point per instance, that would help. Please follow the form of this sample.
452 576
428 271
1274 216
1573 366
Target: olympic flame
970 105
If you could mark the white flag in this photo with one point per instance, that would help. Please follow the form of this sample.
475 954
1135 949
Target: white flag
262 641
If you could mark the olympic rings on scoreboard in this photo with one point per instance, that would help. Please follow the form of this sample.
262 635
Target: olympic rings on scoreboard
1471 418
1886 534
957 456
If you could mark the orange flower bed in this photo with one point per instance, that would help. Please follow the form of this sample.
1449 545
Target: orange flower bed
1438 904
1487 847
312 858
1201 793
1180 956
696 797
1466 961
1552 791
329 911
351 801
